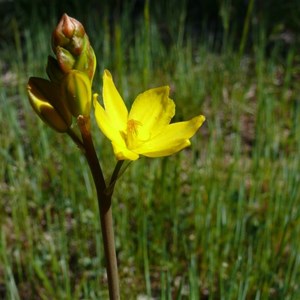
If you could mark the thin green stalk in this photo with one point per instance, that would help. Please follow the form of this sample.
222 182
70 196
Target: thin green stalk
104 203
114 177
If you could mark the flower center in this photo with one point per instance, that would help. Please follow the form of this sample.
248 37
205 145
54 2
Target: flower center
132 133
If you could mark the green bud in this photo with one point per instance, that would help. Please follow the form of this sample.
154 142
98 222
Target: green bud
44 97
65 59
77 93
87 63
72 47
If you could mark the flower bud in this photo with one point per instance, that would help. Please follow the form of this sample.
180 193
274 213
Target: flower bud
72 47
87 63
65 59
54 73
44 97
76 87
69 34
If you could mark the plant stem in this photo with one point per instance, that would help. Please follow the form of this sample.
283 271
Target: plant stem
114 177
105 210
75 139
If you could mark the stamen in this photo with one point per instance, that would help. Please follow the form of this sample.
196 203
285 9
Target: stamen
132 133
132 126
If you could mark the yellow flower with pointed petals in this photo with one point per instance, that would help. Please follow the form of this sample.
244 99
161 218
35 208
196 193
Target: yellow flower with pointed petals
146 129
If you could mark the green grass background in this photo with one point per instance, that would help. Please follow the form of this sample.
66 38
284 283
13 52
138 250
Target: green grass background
219 220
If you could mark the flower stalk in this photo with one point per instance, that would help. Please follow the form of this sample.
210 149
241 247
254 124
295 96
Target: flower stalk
105 210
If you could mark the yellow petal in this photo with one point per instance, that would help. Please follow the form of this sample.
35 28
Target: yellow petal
113 103
106 125
123 153
153 109
172 138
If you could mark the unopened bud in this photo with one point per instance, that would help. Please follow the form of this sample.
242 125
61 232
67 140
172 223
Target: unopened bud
76 88
53 70
65 59
72 47
69 34
44 97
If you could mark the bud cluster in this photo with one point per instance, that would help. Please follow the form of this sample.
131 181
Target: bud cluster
72 48
68 92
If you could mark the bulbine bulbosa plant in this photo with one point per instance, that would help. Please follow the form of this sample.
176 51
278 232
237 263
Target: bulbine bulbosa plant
65 100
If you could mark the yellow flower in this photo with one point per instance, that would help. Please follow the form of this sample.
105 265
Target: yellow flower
146 129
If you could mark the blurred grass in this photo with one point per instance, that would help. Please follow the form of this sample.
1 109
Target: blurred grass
219 220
